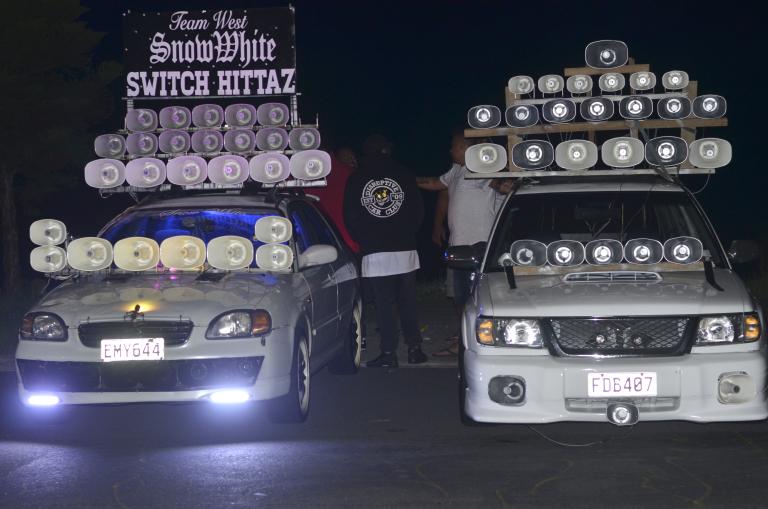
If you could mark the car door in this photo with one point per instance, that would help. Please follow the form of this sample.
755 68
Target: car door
321 280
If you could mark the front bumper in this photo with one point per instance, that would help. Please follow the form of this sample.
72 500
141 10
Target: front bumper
556 387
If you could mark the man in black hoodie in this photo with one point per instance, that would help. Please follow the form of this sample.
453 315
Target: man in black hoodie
383 211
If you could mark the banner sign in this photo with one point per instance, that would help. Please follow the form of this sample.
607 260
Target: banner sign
198 54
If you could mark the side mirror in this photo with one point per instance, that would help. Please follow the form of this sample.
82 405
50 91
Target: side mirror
319 254
465 257
744 251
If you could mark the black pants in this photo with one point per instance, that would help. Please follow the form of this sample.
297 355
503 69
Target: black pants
396 295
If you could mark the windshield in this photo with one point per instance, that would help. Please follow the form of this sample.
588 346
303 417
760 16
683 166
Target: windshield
204 223
583 217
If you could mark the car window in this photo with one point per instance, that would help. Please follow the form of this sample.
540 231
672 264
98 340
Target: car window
310 228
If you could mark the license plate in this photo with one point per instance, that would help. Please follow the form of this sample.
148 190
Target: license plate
608 385
138 349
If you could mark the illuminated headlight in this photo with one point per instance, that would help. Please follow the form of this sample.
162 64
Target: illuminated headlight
559 110
533 154
240 324
43 326
674 108
522 116
597 109
715 329
551 84
484 117
709 106
513 332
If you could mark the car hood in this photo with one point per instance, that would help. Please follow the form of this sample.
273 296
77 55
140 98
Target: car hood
164 296
678 293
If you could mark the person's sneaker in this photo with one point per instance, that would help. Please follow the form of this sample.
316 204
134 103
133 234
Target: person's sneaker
384 360
415 355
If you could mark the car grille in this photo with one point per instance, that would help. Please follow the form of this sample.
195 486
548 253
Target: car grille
133 376
620 336
173 332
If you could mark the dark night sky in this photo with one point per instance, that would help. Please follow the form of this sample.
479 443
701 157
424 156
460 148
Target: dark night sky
412 69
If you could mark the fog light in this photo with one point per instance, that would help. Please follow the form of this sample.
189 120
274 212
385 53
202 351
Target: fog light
736 387
507 390
43 400
622 414
230 396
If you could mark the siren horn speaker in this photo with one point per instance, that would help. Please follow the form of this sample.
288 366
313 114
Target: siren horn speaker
275 257
207 115
187 170
558 111
109 145
240 140
273 229
666 151
484 116
89 254
597 109
136 254
683 250
674 108
528 252
175 141
271 138
521 85
182 252
709 106
48 259
207 141
310 164
240 115
565 253
674 80
272 114
710 153
230 252
304 138
175 117
635 107
607 54
145 172
141 120
576 154
611 82
230 169
486 158
643 80
269 168
47 232
551 84
604 251
522 116
104 173
141 144
533 154
623 152
579 84
643 251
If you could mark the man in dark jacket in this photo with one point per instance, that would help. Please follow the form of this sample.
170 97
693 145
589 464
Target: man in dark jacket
383 211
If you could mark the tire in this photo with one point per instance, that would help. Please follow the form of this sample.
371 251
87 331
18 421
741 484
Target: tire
466 420
347 362
294 406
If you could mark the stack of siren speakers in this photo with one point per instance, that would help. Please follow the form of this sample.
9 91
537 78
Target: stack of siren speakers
622 152
208 142
181 252
568 253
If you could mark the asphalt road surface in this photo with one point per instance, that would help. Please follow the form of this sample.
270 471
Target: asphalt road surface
376 439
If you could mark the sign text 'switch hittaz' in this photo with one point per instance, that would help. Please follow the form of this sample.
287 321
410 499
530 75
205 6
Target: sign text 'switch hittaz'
244 52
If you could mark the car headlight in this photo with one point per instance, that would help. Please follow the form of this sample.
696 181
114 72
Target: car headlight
43 326
728 329
240 324
509 332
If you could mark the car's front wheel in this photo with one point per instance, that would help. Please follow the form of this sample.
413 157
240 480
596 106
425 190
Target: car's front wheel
294 406
347 362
